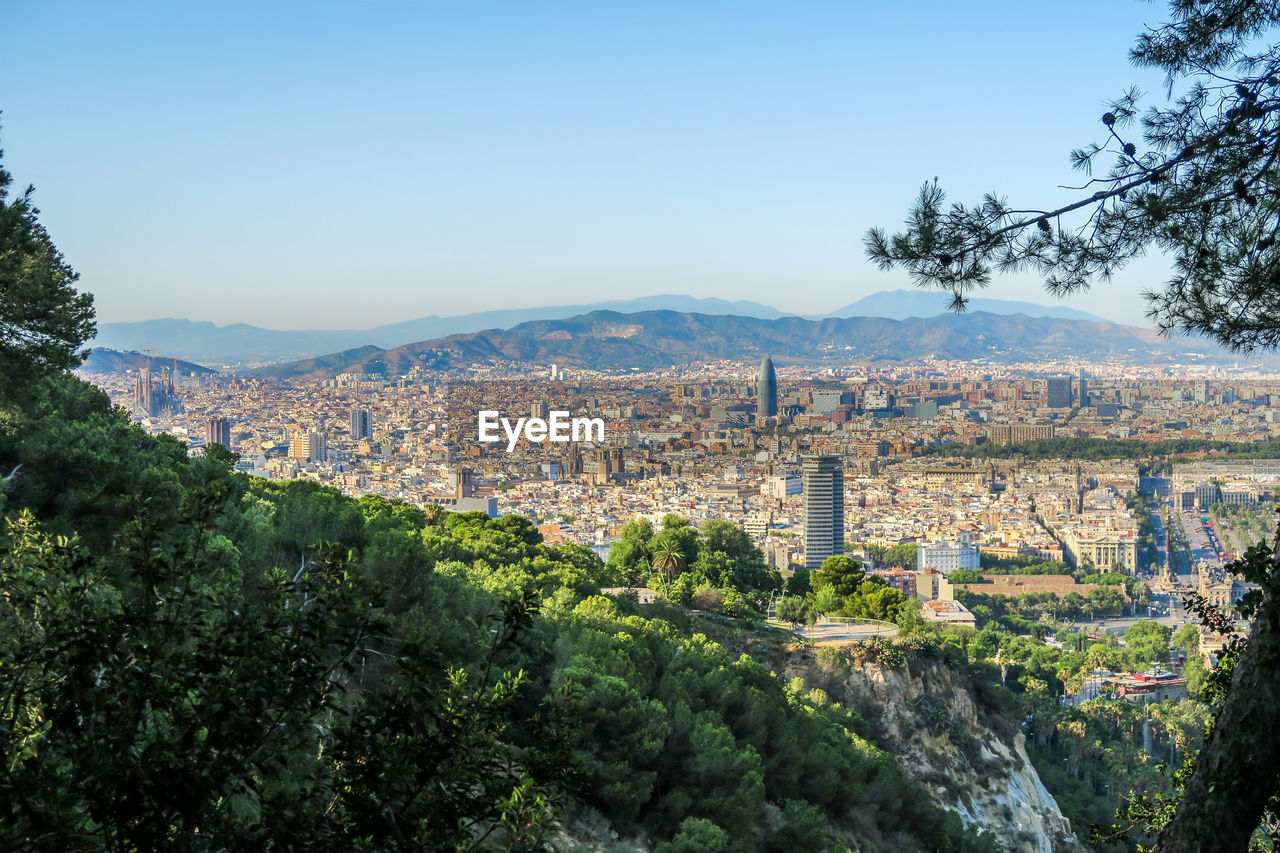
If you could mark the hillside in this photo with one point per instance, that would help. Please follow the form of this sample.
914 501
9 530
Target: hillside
610 341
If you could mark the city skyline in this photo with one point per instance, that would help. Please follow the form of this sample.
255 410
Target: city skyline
359 162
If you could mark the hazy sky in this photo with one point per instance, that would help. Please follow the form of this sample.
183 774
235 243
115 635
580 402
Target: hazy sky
349 164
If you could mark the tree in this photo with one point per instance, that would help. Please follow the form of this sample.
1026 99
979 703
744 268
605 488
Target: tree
1187 639
1195 673
669 560
825 600
1195 180
44 322
799 582
791 609
1203 190
1148 641
904 555
839 573
717 534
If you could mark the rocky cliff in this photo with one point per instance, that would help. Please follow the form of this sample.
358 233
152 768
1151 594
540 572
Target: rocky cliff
972 762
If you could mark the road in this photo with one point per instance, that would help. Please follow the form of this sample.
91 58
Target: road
835 633
1120 624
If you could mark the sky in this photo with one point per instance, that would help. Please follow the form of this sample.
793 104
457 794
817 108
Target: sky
350 164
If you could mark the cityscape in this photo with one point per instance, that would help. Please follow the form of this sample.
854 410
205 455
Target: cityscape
956 485
640 428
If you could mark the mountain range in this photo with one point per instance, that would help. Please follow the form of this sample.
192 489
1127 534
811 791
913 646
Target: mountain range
613 341
103 360
240 344
904 304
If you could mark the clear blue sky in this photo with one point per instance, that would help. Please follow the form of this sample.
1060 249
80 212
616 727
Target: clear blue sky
348 164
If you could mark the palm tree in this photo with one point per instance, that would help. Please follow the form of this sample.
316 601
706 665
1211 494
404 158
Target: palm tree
669 560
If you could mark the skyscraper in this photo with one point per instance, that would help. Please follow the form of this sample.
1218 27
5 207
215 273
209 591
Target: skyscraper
1084 389
1059 392
767 391
361 424
218 431
822 480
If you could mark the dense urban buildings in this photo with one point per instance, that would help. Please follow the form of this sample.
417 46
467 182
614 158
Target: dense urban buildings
686 442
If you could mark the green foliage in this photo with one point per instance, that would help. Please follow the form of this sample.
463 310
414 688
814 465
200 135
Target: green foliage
1023 564
1099 449
716 564
697 835
44 322
800 582
792 608
840 574
804 827
717 534
901 555
1187 638
1148 641
1037 606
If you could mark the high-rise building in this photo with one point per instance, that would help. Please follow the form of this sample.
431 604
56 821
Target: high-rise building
822 480
218 431
361 424
1200 390
1084 389
767 391
539 409
1059 392
309 445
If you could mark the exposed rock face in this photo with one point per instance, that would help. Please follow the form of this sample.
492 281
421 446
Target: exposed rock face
928 718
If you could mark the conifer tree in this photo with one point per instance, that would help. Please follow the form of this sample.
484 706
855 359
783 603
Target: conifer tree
44 321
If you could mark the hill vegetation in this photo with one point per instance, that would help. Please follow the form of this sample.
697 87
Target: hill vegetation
612 341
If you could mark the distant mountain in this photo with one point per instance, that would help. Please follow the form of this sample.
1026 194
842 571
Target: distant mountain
901 304
114 361
240 343
609 341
